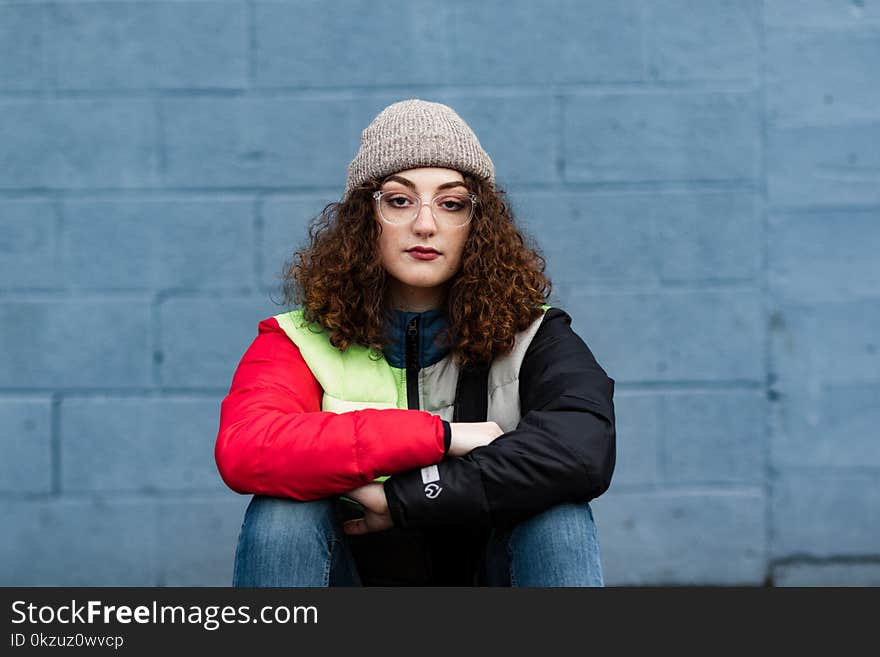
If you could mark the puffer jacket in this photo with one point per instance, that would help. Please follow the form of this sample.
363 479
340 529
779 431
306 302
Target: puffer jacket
305 421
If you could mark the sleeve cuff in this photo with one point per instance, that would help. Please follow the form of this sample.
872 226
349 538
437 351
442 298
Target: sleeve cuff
394 507
447 436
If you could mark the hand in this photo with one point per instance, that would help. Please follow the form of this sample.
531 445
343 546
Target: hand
470 435
376 514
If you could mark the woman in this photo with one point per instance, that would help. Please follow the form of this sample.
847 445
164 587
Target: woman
422 417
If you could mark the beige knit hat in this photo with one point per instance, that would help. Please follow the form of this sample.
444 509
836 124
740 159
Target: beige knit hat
417 133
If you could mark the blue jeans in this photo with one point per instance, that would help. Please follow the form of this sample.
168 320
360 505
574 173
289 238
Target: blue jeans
285 543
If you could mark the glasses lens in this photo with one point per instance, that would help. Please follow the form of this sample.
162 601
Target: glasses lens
397 207
453 209
449 208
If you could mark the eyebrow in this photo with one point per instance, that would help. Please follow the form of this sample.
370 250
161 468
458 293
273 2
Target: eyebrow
411 184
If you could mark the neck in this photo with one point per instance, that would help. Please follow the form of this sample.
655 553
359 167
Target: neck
414 308
415 300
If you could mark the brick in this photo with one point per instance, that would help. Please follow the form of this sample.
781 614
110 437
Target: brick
74 343
827 574
724 34
821 13
822 77
446 44
154 245
827 425
592 240
26 444
827 256
621 330
285 223
639 433
139 445
344 35
833 164
21 47
822 512
199 538
712 336
148 45
290 51
674 336
714 437
27 244
682 538
79 543
107 143
576 44
708 237
828 378
826 368
601 240
661 136
203 340
266 142
826 343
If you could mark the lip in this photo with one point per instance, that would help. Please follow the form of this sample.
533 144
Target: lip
423 255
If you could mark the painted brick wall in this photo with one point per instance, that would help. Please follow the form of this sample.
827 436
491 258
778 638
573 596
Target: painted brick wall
703 177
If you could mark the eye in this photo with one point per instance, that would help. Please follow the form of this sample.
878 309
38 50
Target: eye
452 203
399 201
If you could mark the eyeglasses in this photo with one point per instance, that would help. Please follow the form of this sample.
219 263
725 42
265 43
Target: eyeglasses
449 208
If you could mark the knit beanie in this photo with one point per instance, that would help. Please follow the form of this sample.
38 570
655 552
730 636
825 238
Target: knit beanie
417 133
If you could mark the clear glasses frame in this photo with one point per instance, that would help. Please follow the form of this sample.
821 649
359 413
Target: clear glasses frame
380 193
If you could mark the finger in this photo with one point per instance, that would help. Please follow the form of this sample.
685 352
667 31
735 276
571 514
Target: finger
370 494
356 526
376 522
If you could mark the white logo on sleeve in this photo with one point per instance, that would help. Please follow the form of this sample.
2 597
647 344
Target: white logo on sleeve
432 491
431 475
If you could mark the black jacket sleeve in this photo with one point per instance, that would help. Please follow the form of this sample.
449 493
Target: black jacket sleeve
562 450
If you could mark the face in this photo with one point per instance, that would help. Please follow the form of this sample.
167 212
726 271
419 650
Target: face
419 284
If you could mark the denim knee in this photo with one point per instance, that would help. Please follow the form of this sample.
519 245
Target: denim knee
286 542
558 547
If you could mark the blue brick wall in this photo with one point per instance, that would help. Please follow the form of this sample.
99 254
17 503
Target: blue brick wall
702 177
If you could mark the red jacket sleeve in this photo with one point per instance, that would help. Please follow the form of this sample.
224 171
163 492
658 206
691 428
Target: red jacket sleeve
275 440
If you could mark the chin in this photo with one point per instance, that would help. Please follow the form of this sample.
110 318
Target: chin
420 283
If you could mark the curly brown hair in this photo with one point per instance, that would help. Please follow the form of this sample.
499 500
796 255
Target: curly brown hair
340 283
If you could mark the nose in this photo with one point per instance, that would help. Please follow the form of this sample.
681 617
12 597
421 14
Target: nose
424 223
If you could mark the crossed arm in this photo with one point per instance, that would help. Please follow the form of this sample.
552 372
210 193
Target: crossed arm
562 449
275 440
466 436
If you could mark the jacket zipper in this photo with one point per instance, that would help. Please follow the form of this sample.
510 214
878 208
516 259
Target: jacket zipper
412 364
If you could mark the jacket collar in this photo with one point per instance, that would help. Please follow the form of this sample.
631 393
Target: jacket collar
430 349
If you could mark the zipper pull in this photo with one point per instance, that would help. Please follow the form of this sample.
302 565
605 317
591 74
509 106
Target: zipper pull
412 344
